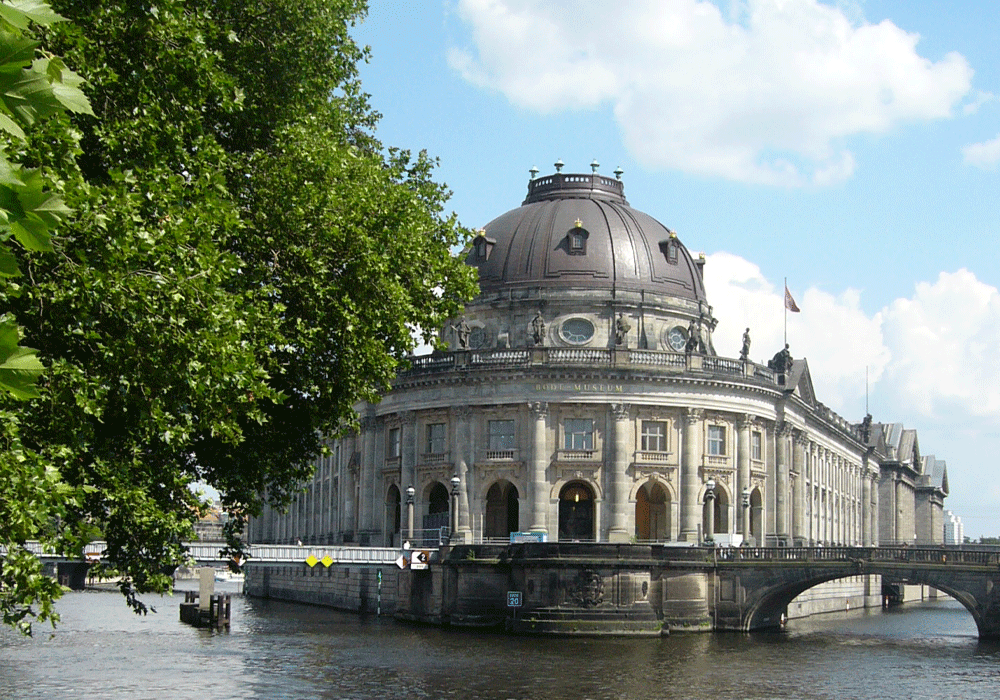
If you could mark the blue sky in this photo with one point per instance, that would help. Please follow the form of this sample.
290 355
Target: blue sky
852 147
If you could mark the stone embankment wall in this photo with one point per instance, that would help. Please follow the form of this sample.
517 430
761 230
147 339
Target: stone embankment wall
353 587
843 595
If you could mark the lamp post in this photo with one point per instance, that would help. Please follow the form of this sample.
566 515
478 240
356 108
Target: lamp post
455 483
410 491
746 515
710 502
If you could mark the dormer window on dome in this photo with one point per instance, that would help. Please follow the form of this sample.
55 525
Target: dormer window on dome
576 239
482 246
670 248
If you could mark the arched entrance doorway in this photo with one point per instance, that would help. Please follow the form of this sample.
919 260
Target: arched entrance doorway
652 513
502 510
576 512
392 517
437 508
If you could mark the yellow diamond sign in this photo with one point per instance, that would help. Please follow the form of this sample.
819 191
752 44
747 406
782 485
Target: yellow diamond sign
311 560
327 560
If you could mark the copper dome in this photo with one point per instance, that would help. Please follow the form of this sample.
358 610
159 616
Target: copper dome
579 231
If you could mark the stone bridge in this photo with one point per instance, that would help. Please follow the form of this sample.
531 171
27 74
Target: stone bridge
598 588
755 586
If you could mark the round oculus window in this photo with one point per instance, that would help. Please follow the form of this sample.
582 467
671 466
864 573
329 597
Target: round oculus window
677 339
477 337
577 331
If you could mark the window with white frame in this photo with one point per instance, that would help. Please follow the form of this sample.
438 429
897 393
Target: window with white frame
654 436
393 447
435 439
579 434
716 440
756 446
501 435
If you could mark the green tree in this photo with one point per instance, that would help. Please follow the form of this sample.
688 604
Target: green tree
34 86
246 263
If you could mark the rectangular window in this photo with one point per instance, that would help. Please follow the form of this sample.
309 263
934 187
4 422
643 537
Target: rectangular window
716 440
501 435
654 436
756 451
435 439
394 444
579 434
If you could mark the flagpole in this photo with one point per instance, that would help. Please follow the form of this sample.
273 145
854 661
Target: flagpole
784 303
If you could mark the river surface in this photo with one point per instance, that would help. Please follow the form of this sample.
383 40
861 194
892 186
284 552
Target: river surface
278 650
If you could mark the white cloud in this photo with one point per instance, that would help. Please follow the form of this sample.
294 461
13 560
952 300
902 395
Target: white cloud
831 332
983 155
767 94
932 358
946 347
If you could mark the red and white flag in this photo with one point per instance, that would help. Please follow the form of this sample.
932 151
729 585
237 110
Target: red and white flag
789 302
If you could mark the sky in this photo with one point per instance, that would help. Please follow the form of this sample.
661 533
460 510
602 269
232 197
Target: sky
852 148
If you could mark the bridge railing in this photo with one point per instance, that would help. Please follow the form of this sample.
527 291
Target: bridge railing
337 555
919 555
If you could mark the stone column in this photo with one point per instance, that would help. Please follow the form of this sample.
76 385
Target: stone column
408 454
462 451
876 530
690 480
866 507
744 425
899 534
799 494
619 474
366 501
539 467
781 482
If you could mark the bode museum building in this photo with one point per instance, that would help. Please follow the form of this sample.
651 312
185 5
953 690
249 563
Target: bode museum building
581 396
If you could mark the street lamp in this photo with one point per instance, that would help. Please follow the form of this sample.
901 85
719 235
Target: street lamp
710 502
455 483
410 491
746 515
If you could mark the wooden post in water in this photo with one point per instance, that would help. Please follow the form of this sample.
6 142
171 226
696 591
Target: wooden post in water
206 587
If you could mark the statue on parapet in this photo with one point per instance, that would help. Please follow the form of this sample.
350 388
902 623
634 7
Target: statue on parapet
782 361
538 329
866 429
622 327
692 340
745 350
463 331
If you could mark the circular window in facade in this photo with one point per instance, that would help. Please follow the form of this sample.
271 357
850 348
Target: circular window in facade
477 337
677 339
577 331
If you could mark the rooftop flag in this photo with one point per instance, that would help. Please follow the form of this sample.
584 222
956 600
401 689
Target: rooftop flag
789 302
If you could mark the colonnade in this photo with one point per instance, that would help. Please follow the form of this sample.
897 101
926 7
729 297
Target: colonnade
808 493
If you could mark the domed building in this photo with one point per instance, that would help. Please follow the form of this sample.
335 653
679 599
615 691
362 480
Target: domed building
581 398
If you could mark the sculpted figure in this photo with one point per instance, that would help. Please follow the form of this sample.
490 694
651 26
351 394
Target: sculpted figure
538 329
782 361
622 327
463 330
692 341
745 351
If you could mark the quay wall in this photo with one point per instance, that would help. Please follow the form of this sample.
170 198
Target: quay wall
603 593
345 586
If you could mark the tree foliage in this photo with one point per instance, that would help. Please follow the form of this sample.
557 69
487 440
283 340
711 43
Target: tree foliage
245 264
34 86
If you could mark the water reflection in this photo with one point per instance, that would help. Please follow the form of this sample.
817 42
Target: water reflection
277 650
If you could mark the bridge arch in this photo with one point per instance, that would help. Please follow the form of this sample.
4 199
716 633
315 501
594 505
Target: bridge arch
767 591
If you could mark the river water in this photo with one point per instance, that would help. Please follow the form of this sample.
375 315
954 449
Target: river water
278 650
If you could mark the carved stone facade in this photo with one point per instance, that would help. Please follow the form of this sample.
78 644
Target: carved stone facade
579 406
